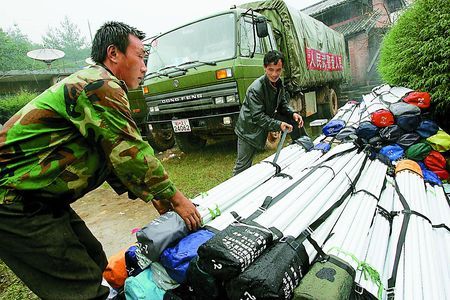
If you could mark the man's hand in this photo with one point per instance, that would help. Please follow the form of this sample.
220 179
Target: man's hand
285 126
297 118
187 211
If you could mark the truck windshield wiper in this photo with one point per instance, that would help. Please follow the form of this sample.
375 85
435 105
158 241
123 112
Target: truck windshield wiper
159 73
209 63
156 74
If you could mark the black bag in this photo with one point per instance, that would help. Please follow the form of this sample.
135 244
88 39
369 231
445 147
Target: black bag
391 133
202 285
274 275
408 139
233 249
366 130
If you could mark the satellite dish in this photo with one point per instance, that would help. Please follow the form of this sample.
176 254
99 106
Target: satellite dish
46 55
89 61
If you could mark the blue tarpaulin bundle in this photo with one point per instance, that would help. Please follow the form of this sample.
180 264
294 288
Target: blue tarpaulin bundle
176 259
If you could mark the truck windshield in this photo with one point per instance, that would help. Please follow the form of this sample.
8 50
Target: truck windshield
207 40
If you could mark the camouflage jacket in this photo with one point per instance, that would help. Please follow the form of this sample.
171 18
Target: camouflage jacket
74 136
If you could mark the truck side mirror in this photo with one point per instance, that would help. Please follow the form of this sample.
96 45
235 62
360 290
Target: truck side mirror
261 27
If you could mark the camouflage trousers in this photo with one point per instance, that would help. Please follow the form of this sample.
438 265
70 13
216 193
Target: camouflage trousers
51 250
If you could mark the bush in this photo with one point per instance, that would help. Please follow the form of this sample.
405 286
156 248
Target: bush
416 54
9 105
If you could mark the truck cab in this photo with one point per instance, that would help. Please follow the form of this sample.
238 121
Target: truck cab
197 78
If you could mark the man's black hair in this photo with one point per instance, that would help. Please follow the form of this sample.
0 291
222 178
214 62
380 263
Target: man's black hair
273 56
112 33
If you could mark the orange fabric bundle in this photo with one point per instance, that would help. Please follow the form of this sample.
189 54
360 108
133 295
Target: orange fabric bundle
116 271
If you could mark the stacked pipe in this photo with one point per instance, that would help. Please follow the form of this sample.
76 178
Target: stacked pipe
378 240
440 218
282 213
249 203
229 192
416 276
233 250
350 233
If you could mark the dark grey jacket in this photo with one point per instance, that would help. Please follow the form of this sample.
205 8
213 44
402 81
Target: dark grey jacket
256 117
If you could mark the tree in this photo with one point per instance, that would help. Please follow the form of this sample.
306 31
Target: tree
14 46
416 53
68 38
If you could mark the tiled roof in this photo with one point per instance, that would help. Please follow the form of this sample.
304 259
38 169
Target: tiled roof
365 22
322 6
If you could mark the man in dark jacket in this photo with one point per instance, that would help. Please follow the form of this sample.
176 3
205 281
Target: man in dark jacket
265 109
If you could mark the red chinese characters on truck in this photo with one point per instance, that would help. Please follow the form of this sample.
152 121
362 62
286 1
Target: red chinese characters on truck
321 61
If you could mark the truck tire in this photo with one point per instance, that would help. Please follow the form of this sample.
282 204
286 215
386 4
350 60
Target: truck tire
187 142
328 109
160 140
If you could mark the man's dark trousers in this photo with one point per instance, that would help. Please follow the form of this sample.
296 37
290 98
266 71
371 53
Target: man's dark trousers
51 250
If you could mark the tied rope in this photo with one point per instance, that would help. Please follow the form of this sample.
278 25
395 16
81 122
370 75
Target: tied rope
367 270
215 212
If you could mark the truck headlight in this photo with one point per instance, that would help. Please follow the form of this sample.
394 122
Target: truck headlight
219 100
151 109
226 120
231 98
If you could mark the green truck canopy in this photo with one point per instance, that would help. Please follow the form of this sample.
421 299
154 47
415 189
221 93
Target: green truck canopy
315 53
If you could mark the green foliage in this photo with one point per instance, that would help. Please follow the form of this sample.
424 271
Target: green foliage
416 53
68 38
14 46
9 105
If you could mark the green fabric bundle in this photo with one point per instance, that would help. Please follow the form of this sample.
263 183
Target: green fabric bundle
331 279
418 151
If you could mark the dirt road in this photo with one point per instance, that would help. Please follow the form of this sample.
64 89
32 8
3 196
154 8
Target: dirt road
111 217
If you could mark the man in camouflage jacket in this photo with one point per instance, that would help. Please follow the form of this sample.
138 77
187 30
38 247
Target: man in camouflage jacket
66 142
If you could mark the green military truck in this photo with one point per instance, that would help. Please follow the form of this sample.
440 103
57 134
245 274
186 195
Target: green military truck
198 73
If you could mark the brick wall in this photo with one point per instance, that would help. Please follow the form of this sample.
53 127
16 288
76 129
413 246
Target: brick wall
358 48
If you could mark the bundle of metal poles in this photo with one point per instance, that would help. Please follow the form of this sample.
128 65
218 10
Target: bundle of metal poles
249 203
224 195
420 273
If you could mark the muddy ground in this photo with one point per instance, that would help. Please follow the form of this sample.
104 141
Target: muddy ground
111 217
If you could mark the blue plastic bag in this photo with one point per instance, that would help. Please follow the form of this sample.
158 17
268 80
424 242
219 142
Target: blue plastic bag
176 259
393 152
333 127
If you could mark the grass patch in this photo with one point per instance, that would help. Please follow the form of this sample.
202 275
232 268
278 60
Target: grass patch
11 287
11 104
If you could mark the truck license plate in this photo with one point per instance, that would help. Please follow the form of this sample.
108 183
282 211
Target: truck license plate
181 125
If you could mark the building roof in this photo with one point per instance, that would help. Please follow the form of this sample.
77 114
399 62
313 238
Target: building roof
365 22
322 6
26 75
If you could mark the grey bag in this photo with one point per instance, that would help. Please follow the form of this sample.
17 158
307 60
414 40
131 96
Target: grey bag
347 134
160 233
408 139
401 108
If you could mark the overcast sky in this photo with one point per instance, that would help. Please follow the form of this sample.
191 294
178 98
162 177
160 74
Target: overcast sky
34 17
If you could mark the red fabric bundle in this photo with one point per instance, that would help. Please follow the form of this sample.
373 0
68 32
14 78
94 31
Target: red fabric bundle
442 174
419 99
435 161
382 118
